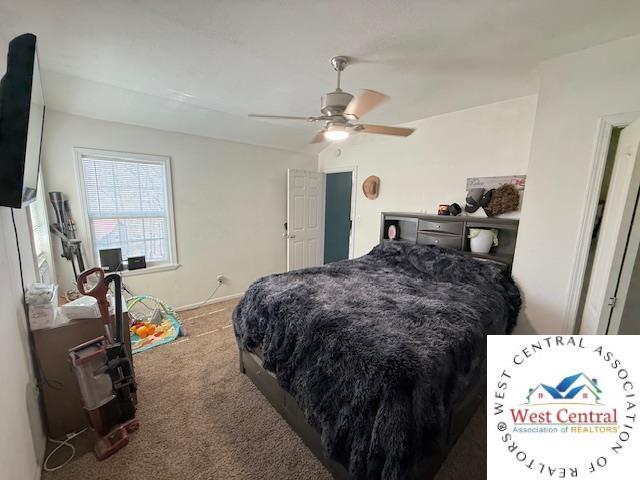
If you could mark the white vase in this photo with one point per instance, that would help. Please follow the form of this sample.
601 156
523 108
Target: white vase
482 242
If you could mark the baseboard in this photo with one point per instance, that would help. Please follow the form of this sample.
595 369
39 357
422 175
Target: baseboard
208 302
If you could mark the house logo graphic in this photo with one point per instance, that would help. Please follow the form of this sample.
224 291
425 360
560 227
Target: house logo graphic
574 389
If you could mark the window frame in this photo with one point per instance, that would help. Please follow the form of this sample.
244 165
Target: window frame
47 255
164 160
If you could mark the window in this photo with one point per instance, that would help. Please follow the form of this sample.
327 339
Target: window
40 235
39 222
128 204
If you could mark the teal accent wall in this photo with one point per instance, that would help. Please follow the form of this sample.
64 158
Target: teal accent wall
337 217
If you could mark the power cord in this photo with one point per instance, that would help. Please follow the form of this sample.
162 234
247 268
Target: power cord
62 443
203 303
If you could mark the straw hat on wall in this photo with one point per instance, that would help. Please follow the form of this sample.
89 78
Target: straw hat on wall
371 187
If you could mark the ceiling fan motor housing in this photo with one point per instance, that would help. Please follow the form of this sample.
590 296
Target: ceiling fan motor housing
334 103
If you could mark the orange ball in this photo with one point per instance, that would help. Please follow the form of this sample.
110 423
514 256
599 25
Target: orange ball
142 332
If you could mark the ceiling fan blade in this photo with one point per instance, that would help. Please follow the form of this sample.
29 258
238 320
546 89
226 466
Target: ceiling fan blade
365 101
281 117
319 138
385 130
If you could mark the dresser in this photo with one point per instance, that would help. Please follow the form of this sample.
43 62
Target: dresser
451 232
60 392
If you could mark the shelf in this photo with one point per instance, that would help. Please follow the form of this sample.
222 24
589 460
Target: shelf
468 219
401 241
498 223
445 231
489 256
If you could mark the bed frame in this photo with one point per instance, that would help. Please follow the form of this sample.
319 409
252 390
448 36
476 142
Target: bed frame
286 406
414 228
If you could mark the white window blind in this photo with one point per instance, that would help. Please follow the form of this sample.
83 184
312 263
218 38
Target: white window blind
128 206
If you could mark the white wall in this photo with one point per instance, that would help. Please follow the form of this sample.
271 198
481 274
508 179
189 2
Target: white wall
576 91
22 438
229 202
417 173
432 165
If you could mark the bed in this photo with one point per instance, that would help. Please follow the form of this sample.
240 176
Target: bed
377 363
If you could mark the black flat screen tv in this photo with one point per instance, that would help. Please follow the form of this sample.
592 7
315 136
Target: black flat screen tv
21 123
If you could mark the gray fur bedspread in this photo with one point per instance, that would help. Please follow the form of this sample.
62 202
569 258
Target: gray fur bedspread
374 350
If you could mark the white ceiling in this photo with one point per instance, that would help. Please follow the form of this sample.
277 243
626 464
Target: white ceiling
200 66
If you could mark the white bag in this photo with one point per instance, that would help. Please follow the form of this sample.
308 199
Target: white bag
43 305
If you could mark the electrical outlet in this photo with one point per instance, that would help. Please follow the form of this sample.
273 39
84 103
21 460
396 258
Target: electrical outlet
220 278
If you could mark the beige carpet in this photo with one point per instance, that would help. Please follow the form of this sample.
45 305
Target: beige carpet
201 419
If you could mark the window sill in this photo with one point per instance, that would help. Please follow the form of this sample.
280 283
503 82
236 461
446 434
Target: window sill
152 269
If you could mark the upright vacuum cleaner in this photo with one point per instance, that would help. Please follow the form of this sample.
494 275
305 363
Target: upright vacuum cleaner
104 369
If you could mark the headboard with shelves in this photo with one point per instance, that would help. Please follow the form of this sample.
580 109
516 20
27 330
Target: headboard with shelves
451 232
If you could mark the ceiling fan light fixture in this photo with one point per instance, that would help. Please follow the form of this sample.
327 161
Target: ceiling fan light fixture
336 133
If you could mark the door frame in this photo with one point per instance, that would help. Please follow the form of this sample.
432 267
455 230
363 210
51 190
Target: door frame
354 182
577 276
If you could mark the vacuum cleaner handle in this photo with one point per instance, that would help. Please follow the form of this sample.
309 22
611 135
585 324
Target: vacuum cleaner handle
115 278
99 292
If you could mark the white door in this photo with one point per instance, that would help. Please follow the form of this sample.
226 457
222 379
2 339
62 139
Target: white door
614 233
625 318
305 219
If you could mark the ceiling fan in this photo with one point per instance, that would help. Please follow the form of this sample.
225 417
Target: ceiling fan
341 111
